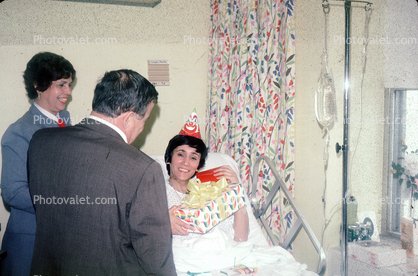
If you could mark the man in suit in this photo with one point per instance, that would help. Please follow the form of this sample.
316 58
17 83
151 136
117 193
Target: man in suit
100 203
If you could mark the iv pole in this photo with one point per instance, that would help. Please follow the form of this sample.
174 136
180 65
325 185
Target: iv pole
344 147
344 234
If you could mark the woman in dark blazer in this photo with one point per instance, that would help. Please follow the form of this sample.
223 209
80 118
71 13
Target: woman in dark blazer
48 78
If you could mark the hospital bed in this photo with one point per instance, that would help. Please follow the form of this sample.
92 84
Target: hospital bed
269 260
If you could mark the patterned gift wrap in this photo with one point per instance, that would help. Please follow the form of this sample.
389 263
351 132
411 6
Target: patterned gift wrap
230 200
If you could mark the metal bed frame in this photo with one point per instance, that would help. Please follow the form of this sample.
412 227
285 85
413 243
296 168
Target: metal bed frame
299 223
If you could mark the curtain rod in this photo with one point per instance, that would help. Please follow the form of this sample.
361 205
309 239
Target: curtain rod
354 1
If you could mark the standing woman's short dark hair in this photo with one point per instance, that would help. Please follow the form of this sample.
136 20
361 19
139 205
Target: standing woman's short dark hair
180 140
43 69
122 91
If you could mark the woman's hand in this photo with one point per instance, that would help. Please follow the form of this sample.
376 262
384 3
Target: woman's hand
227 172
178 226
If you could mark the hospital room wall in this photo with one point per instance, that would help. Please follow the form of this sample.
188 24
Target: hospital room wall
175 30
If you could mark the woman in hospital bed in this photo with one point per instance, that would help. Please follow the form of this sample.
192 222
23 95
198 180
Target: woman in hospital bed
184 156
235 241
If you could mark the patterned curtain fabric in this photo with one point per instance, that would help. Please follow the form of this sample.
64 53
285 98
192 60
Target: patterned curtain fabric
251 83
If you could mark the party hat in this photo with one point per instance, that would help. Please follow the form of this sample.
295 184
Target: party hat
191 127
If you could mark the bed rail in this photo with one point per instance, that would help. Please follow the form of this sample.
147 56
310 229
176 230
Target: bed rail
299 223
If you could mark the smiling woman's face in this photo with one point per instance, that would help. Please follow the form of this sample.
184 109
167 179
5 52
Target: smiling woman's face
184 162
54 99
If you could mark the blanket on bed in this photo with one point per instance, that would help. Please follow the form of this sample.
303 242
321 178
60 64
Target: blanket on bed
215 253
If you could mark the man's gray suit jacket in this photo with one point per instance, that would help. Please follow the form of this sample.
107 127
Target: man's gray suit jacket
100 205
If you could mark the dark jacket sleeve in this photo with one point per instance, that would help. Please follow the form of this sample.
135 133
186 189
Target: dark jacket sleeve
150 224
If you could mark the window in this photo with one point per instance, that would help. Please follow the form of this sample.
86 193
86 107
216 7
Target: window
401 142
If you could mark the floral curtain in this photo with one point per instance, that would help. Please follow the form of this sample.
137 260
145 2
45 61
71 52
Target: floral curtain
250 107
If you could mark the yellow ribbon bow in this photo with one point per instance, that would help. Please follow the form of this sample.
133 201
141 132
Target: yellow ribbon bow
199 192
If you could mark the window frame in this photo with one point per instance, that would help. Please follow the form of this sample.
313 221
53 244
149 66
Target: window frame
395 100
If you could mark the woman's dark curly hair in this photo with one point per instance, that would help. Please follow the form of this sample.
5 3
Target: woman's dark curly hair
180 140
43 69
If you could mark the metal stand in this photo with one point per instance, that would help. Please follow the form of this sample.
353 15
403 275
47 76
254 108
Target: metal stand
344 147
344 234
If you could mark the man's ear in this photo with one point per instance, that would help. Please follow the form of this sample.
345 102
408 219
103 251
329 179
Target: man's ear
124 122
128 118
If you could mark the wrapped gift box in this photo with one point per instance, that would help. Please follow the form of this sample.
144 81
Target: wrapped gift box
213 211
207 175
407 235
415 235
